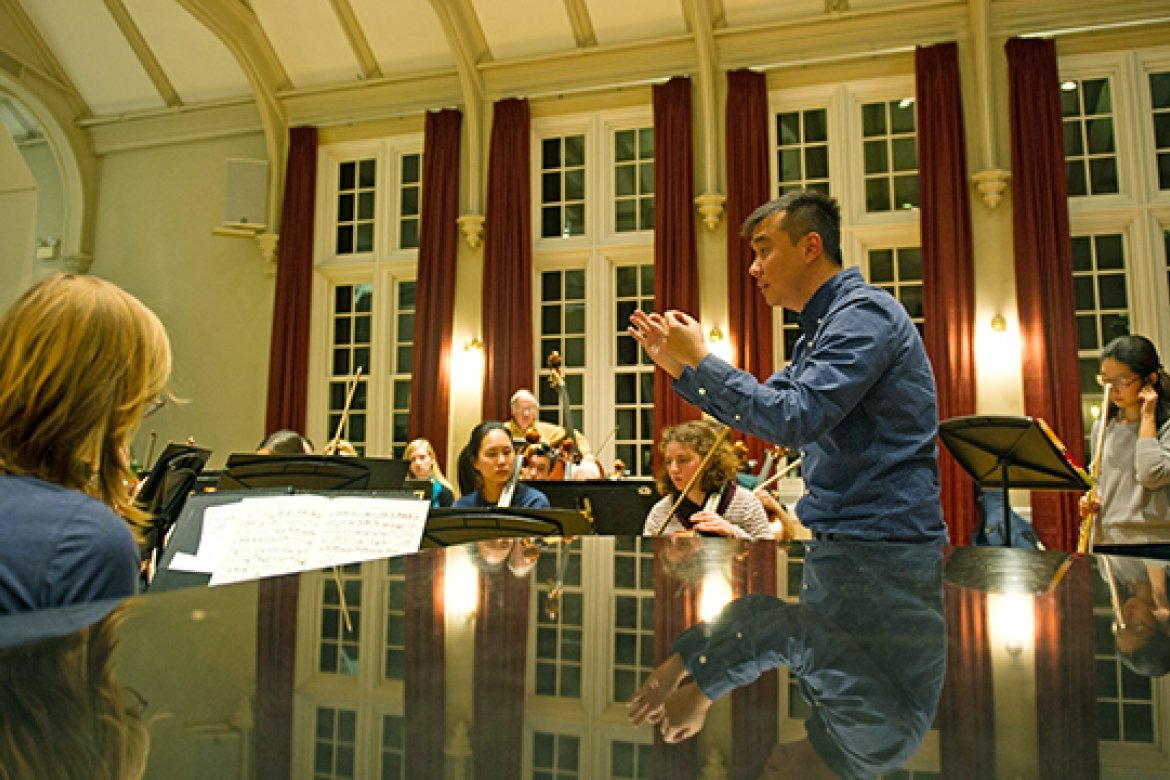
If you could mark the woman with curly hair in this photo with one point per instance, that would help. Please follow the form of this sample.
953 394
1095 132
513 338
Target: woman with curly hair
714 505
81 362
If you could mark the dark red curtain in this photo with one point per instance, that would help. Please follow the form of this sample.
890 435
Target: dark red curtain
749 318
1066 681
501 631
1043 255
676 608
288 379
425 666
430 389
948 279
966 711
755 710
507 261
676 276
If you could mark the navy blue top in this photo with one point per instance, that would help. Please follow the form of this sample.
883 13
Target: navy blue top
524 498
60 547
858 398
867 643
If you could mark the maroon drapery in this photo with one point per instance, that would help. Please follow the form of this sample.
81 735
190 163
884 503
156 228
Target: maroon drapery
755 718
288 379
425 666
948 279
507 261
501 631
1066 682
675 609
749 318
676 275
430 390
966 711
1043 255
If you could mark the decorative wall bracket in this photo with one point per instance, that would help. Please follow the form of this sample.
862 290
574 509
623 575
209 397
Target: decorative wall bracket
991 186
472 227
710 205
268 242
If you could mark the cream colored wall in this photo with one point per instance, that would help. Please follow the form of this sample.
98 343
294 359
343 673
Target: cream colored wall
18 210
156 211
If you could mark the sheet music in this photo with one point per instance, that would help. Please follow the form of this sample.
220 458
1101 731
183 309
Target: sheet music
273 535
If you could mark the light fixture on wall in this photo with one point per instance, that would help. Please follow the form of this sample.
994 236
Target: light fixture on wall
998 323
717 343
468 362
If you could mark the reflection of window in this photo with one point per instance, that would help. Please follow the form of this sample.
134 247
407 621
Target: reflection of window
633 582
562 186
890 151
633 376
899 270
562 329
802 149
409 200
630 761
335 743
1125 700
556 756
558 638
1160 102
1090 150
352 336
633 180
338 650
355 206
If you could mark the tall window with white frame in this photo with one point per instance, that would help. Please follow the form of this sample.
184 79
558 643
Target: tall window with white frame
811 152
1116 116
594 193
370 193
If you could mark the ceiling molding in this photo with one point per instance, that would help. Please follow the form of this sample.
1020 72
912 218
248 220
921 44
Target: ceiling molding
581 23
142 51
357 39
1063 17
371 100
181 124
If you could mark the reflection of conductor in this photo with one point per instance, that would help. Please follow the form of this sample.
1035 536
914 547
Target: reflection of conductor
867 643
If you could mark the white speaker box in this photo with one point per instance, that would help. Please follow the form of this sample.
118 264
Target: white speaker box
245 202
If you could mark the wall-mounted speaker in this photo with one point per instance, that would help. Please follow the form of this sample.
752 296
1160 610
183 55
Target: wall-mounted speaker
245 202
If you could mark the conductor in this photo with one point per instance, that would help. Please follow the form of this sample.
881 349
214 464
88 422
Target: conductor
858 397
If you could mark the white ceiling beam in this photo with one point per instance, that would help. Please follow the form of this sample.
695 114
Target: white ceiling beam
143 52
357 39
581 23
698 15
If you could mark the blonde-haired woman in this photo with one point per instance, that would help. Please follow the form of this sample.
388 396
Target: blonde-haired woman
714 505
424 465
81 362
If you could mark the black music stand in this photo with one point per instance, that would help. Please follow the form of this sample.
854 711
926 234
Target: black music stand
165 489
1005 452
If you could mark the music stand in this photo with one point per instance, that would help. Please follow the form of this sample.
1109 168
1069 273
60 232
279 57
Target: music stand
245 471
166 487
447 527
616 507
1005 452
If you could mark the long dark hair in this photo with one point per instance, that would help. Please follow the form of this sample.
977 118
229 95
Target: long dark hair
469 476
1139 355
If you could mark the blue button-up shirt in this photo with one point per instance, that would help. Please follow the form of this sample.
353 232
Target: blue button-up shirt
858 399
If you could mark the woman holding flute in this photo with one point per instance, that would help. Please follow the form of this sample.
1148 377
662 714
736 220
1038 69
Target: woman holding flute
1132 497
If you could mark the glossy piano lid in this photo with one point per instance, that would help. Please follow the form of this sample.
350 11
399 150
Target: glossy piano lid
516 659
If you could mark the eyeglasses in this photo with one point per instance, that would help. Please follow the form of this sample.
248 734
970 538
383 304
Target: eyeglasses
1120 383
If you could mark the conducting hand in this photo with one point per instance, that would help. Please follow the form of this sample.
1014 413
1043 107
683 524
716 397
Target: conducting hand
648 702
650 330
686 711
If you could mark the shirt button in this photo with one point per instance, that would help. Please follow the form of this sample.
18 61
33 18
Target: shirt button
739 635
809 343
702 659
738 418
702 391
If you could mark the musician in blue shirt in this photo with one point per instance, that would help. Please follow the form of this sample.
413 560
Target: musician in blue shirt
857 398
487 472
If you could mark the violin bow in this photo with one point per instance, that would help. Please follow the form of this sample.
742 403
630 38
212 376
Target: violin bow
694 478
331 447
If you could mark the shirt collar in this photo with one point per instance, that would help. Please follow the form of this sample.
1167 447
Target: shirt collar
818 305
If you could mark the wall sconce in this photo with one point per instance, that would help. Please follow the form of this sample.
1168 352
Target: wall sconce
714 595
718 344
461 585
468 362
999 324
473 344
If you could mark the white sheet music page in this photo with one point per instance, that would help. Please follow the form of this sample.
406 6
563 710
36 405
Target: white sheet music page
266 537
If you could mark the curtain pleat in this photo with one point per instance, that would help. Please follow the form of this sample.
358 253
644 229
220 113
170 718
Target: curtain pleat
430 387
507 261
749 318
948 278
1043 261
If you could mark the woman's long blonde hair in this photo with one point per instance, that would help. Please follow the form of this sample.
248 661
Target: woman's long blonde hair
80 360
436 472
